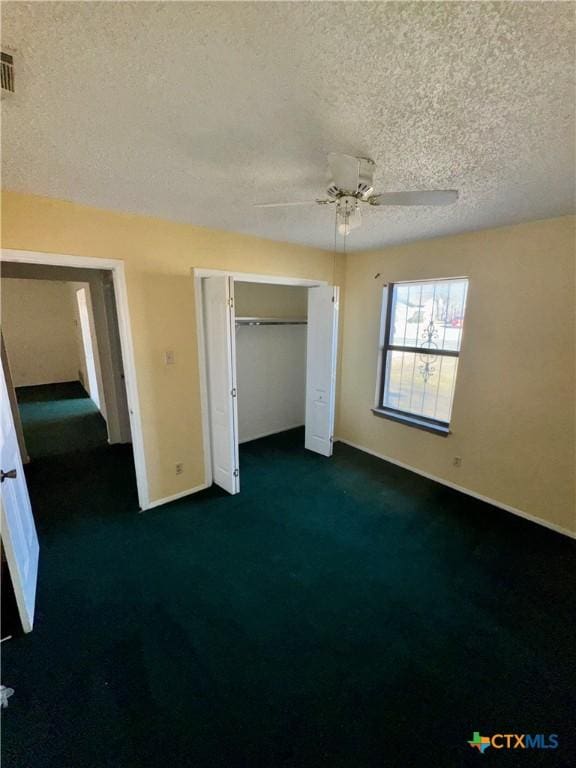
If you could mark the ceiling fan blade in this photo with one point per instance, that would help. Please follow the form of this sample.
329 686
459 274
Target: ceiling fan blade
345 170
284 205
432 197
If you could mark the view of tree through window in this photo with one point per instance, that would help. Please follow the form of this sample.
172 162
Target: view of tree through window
422 344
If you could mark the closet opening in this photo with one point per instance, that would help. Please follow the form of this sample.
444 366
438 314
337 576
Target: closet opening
268 365
271 325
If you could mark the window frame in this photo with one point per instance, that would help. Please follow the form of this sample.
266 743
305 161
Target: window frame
436 426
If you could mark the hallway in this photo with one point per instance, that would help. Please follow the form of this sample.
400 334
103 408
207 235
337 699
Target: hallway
59 419
74 473
276 627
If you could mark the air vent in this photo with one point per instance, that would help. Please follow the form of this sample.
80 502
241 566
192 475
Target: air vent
7 73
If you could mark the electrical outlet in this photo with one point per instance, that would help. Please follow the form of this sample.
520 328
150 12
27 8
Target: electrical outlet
179 468
169 357
457 461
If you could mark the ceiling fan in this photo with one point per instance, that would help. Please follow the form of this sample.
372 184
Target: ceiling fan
351 184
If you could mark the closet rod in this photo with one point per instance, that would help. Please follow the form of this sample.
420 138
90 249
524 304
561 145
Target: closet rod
270 321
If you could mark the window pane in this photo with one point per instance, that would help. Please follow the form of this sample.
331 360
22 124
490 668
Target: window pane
428 314
420 384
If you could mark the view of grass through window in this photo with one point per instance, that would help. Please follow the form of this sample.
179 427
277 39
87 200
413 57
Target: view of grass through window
423 336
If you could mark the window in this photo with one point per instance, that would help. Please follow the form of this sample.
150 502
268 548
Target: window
423 324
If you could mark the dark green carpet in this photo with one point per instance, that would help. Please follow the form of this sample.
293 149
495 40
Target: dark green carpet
336 613
59 418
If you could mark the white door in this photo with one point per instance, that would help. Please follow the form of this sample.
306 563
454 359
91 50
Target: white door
219 329
123 428
87 344
18 531
321 368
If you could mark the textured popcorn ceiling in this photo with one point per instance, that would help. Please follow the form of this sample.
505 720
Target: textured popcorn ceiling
192 111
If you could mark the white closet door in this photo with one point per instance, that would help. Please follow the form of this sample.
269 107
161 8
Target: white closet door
221 364
321 368
18 531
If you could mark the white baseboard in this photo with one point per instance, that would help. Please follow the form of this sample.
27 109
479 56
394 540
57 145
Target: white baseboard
175 497
467 491
271 432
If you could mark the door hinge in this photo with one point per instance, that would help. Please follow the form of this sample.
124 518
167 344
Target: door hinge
233 392
236 472
231 302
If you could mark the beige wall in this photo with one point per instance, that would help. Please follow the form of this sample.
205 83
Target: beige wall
39 330
158 257
262 300
513 418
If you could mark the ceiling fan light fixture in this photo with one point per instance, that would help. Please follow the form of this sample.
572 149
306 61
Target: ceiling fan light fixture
348 215
343 226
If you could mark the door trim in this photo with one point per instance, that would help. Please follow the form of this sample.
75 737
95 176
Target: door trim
249 277
199 273
116 266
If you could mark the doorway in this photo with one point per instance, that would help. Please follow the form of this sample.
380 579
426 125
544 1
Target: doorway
62 336
124 424
221 320
80 411
271 329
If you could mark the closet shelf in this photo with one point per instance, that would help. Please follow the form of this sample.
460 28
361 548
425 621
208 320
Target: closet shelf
271 321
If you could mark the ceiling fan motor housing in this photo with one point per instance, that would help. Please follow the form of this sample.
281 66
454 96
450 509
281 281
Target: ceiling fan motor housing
364 186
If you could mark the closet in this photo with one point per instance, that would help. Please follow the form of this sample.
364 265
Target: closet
270 358
268 364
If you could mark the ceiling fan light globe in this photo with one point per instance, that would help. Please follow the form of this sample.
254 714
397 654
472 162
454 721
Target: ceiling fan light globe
343 228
